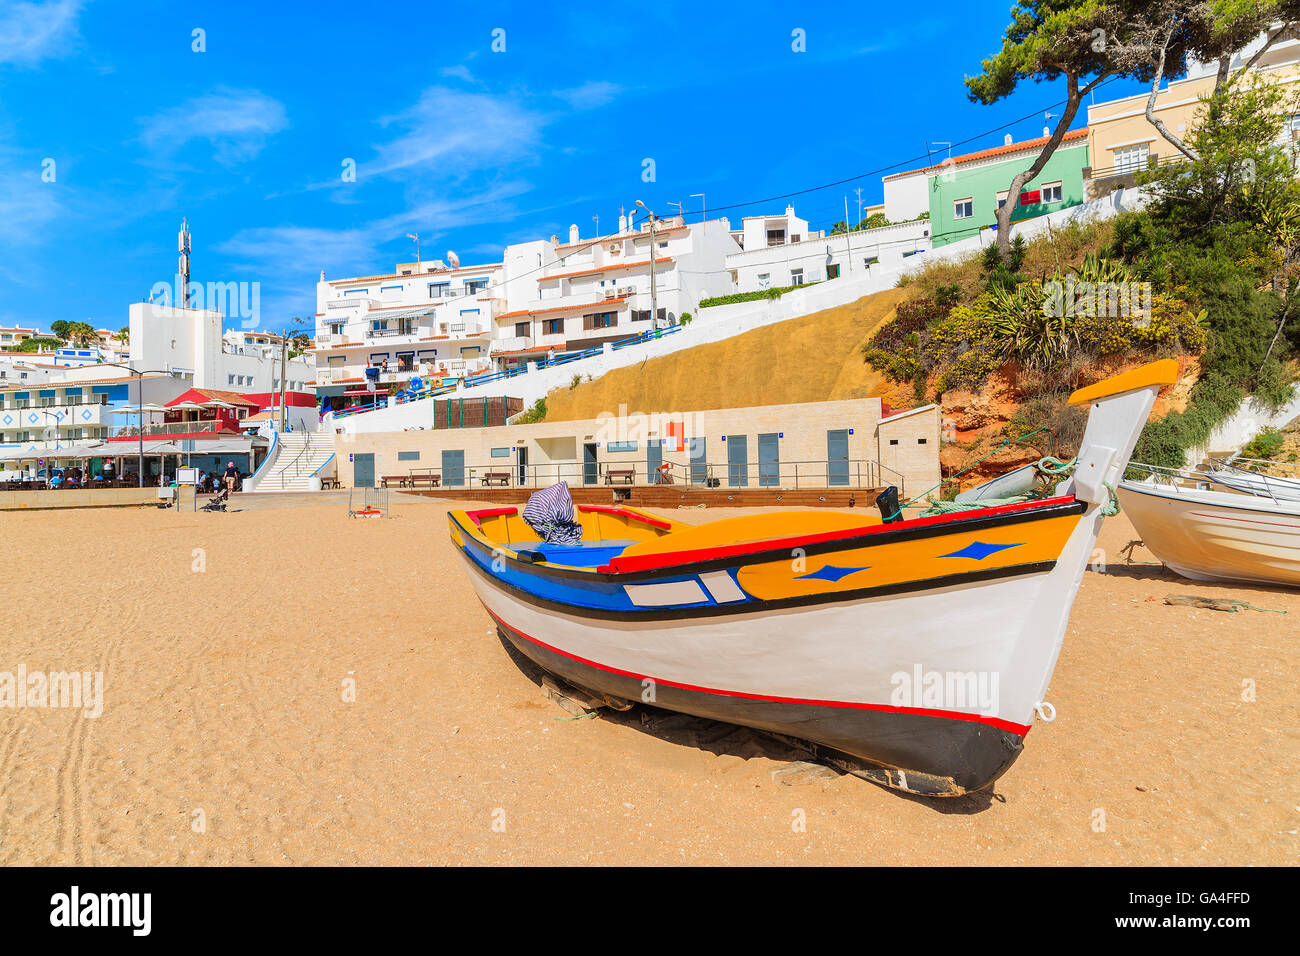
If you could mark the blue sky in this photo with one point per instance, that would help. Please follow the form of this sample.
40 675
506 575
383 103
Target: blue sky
469 147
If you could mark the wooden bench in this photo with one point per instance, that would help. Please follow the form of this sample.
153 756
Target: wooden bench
425 478
625 475
330 484
400 480
501 478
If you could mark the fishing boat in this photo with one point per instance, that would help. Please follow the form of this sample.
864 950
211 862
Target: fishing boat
1210 535
915 651
1276 487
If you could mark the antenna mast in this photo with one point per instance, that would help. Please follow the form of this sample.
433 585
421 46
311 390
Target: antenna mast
183 264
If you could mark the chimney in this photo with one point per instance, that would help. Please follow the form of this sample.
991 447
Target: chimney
622 225
1006 140
573 233
1046 131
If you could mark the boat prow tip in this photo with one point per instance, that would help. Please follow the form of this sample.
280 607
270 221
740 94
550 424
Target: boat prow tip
1163 372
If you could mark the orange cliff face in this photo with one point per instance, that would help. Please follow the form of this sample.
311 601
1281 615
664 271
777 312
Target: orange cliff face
975 423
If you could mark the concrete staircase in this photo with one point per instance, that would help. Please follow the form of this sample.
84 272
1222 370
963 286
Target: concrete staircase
298 456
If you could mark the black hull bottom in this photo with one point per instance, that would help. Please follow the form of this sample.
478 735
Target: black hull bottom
933 756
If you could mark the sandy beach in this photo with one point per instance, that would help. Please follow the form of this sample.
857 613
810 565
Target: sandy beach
229 642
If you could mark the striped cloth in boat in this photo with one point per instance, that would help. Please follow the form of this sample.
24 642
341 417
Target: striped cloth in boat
549 512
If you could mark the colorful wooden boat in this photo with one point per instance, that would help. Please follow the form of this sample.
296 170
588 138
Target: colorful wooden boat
1210 535
915 651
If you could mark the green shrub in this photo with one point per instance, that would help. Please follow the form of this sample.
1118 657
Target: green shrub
774 293
536 412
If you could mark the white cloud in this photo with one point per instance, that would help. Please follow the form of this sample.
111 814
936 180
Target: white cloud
460 71
590 95
31 32
237 123
457 132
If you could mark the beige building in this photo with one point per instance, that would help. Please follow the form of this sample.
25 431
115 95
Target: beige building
13 335
848 444
1122 141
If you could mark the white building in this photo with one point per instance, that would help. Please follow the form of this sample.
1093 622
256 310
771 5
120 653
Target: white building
444 323
190 343
424 319
583 293
781 251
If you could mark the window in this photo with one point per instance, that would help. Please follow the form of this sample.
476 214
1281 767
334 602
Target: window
963 208
500 452
776 237
764 280
408 456
1130 159
553 327
622 446
522 329
439 290
336 328
1052 192
475 286
870 261
1002 199
796 277
600 320
893 441
833 270
230 380
378 325
920 441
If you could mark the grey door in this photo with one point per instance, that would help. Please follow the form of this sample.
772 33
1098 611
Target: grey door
769 460
590 465
363 471
837 458
453 468
699 458
654 457
738 461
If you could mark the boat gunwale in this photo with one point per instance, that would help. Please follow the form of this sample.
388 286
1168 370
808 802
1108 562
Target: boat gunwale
676 563
1257 504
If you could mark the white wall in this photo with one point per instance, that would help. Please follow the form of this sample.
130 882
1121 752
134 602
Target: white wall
907 196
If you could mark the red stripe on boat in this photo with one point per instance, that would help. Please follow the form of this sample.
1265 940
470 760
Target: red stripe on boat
997 722
667 559
489 513
624 513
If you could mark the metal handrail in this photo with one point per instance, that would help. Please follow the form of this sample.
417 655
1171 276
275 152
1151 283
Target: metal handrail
790 475
297 471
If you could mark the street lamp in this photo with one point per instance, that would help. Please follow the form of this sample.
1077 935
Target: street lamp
654 302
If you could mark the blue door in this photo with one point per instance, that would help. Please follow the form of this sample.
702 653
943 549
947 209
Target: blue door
363 471
738 461
699 459
654 457
837 458
453 468
590 465
769 460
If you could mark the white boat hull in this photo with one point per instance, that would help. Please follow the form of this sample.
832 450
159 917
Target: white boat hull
1216 536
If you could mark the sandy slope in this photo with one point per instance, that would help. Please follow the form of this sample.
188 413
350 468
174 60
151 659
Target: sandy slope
223 695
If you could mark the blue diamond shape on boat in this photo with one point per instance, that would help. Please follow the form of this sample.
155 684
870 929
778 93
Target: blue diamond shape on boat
832 573
978 550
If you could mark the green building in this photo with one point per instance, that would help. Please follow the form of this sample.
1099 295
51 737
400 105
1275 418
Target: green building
962 194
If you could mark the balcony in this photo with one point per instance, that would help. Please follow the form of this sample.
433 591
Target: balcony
56 416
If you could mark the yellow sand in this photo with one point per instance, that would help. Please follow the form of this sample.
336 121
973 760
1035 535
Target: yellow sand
814 358
224 695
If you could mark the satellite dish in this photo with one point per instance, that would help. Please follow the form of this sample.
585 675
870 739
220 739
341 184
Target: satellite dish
453 259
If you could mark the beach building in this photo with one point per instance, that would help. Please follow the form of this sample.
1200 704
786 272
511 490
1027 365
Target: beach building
963 193
859 443
567 297
781 251
1122 141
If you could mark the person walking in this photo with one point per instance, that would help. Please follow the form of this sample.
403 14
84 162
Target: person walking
231 476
